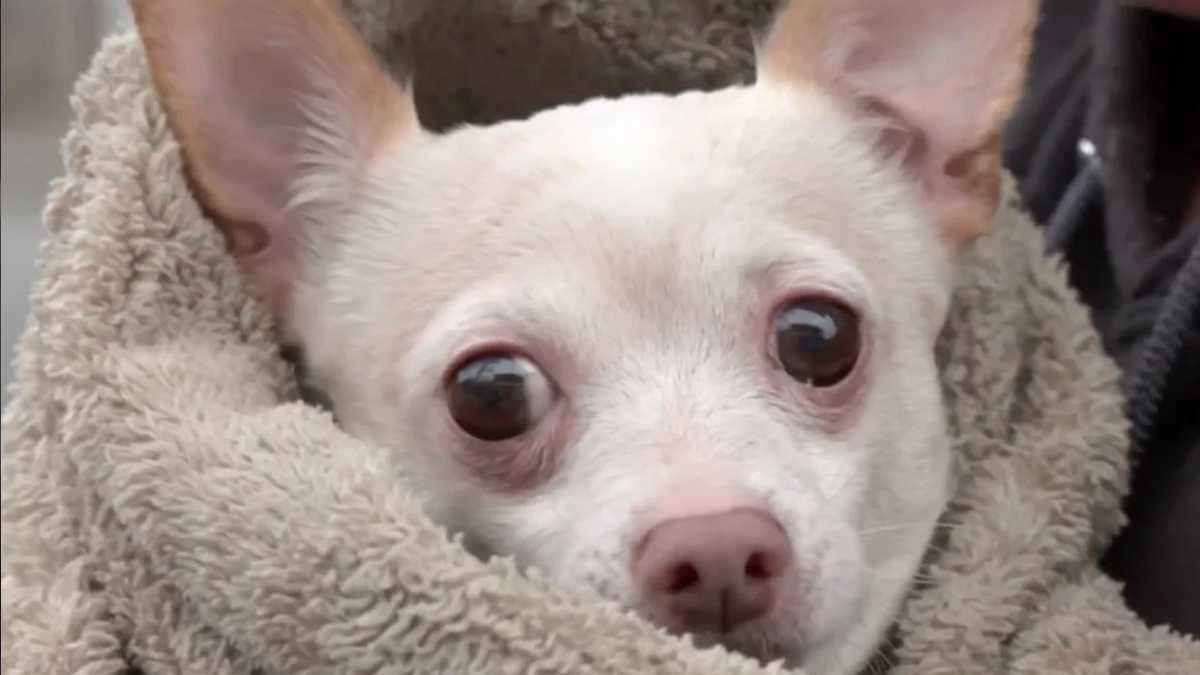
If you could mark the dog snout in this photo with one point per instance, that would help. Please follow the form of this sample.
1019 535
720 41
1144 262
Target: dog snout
714 572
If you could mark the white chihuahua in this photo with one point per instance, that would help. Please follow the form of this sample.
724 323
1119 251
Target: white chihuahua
677 349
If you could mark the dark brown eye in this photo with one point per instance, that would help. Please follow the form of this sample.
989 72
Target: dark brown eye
817 341
497 397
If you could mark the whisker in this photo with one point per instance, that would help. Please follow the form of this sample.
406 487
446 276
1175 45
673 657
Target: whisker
887 528
946 527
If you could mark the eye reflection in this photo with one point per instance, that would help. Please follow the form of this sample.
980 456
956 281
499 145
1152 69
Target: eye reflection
497 397
817 341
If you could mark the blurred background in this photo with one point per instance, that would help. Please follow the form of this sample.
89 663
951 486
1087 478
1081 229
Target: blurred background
44 46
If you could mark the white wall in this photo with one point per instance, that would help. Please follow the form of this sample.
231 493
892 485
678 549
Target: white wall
44 45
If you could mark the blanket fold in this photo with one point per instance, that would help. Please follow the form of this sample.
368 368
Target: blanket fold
170 507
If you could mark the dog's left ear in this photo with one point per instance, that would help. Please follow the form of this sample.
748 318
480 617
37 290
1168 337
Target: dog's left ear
945 74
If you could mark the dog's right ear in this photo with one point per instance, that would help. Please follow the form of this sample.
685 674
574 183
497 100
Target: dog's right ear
279 105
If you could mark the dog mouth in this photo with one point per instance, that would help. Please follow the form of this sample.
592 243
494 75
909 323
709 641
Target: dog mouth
753 644
752 641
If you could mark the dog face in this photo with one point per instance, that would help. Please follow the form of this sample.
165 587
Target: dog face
674 349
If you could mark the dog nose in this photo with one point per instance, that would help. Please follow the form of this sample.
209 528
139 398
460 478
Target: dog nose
713 572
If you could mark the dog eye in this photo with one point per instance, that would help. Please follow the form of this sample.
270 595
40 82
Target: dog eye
817 341
498 397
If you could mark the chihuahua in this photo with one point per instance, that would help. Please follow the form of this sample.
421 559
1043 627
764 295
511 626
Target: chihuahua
675 349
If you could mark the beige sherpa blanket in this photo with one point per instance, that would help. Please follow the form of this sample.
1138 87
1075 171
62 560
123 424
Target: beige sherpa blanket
169 508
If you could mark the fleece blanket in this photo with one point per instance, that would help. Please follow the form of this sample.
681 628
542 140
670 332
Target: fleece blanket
169 506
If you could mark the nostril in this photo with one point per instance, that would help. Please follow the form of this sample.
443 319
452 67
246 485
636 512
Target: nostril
756 567
683 576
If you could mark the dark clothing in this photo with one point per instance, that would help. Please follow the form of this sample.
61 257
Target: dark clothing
1127 220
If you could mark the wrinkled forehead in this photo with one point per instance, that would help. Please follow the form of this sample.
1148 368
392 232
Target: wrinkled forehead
657 281
669 207
623 275
747 158
691 263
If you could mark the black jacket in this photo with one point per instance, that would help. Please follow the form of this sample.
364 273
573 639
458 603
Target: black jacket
1124 84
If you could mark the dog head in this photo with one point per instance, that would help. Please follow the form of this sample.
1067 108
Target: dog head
677 349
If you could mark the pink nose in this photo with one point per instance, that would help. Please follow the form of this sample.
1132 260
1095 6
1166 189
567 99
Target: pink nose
713 572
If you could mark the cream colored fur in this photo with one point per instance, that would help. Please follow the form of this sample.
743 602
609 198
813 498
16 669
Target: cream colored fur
162 509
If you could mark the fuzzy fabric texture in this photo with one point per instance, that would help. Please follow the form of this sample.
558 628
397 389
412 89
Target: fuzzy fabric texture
169 507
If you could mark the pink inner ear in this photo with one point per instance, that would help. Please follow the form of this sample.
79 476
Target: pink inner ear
939 78
943 65
278 113
895 139
230 106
